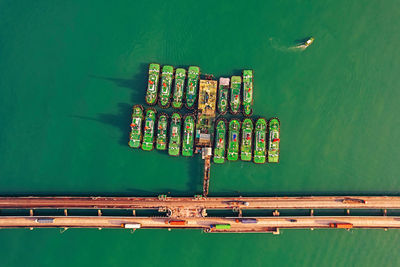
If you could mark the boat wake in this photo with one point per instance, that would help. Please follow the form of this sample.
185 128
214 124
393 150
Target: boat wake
278 45
297 48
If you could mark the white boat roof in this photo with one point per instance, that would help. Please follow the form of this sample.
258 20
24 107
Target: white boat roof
224 81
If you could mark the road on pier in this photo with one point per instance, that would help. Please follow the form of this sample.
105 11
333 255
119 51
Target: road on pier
264 224
310 202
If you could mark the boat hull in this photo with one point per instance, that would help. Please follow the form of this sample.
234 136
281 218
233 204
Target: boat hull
179 88
247 140
223 95
188 135
236 84
135 136
247 92
192 86
167 76
148 133
220 141
152 84
162 132
260 140
233 140
274 140
174 143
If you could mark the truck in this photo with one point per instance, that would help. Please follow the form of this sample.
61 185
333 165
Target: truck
176 222
341 225
131 225
44 220
246 220
220 226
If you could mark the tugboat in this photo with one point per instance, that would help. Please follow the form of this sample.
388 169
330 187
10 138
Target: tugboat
162 130
175 135
192 84
306 43
274 131
149 123
233 141
220 141
152 86
247 92
260 136
136 126
235 94
223 93
188 136
309 42
180 76
166 83
247 140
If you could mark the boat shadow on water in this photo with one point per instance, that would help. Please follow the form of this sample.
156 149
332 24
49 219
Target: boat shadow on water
195 173
137 83
302 40
121 120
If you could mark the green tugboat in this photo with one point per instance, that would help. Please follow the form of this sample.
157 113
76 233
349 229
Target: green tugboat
152 86
148 133
188 136
166 84
247 92
220 141
274 131
175 135
180 76
247 140
192 84
162 131
260 135
136 126
233 142
223 93
236 82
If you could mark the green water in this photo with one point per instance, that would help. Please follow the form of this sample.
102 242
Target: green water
70 72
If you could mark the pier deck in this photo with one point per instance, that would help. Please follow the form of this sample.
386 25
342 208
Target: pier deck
304 202
264 224
193 212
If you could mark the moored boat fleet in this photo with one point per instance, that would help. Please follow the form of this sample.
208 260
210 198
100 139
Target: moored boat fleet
167 85
248 141
233 140
243 139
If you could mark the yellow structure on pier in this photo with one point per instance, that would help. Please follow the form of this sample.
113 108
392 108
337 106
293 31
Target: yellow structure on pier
206 113
205 126
207 97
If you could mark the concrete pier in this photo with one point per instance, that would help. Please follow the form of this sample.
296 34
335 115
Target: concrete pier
263 224
273 203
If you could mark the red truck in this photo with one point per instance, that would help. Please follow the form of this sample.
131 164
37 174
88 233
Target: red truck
341 225
175 222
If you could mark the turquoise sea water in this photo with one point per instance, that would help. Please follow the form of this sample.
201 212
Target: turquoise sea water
71 70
